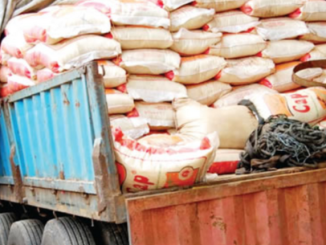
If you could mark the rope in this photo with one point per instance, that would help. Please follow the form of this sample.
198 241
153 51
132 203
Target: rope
280 142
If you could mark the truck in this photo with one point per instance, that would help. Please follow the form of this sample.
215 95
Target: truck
59 184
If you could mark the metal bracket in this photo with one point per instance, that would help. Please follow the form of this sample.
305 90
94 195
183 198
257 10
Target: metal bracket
18 183
102 184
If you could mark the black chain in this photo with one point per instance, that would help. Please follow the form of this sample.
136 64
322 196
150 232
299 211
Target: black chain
281 142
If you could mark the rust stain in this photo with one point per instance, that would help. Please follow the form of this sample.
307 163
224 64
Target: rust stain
218 222
61 175
77 104
66 101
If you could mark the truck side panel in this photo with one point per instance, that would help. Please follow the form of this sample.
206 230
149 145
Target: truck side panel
61 137
282 210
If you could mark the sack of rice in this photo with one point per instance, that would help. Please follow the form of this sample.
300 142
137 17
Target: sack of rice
233 124
225 162
148 61
305 105
5 72
159 116
67 22
15 45
310 73
193 42
4 57
321 78
190 18
44 75
118 103
22 68
242 93
281 28
286 50
271 8
219 5
17 83
317 32
134 127
318 53
142 166
132 12
134 37
238 46
197 69
113 75
231 22
171 5
72 53
246 70
154 89
281 80
208 92
311 11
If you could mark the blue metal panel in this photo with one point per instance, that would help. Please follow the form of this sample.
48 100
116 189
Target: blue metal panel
5 168
54 134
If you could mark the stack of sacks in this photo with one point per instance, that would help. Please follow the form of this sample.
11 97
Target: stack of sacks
38 46
151 53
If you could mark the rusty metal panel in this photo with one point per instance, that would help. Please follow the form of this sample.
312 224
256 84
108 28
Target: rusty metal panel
280 210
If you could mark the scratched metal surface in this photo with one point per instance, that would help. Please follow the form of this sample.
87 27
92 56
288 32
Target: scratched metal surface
279 210
5 143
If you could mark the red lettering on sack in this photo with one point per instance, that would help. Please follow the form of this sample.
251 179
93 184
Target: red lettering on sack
143 180
305 109
301 103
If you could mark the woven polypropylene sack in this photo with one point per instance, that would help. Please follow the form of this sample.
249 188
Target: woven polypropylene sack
246 70
238 46
231 22
144 167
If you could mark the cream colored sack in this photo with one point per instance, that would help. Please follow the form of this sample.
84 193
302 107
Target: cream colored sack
234 124
281 28
5 72
306 105
197 69
208 92
225 162
131 12
15 45
281 80
238 45
246 70
72 53
118 103
171 5
154 89
159 116
318 53
113 75
219 5
321 78
271 8
242 93
231 22
286 50
317 32
4 57
144 167
132 127
190 18
132 37
22 68
311 11
310 73
193 42
148 61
